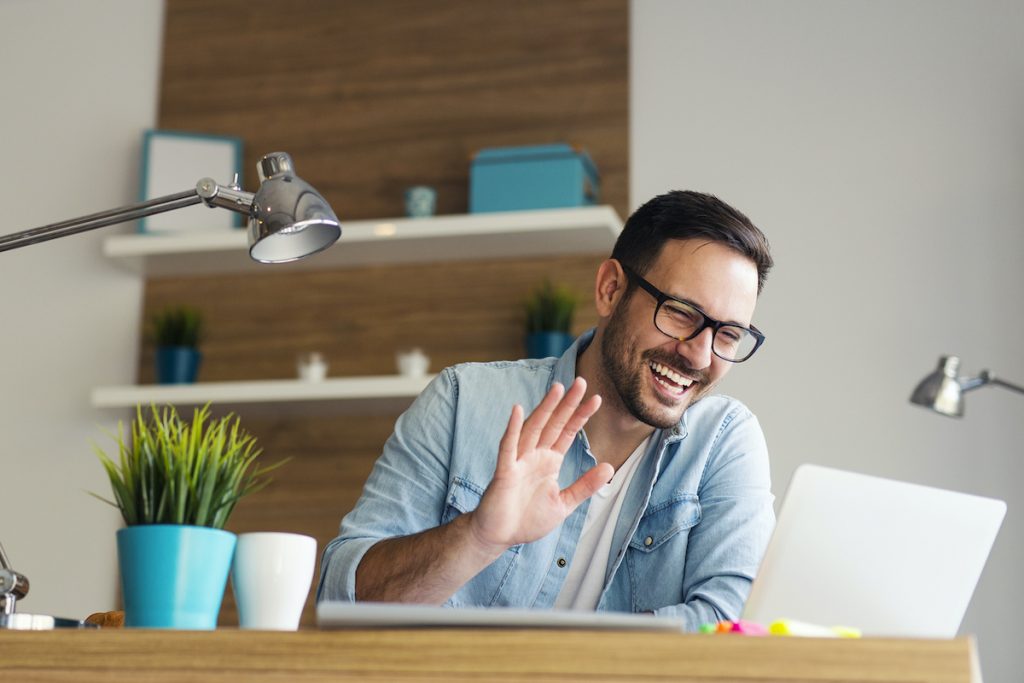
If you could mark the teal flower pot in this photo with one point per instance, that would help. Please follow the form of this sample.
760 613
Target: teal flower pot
177 364
547 344
173 576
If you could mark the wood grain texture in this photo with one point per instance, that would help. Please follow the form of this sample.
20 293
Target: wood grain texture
372 97
256 325
144 656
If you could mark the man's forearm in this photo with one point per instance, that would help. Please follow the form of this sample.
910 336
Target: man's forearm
425 568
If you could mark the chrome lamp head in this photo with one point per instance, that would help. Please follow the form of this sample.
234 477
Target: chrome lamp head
943 391
288 219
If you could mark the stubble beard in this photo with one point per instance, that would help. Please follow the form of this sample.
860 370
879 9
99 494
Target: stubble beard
626 375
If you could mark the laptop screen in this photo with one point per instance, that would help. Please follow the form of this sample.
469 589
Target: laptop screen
886 557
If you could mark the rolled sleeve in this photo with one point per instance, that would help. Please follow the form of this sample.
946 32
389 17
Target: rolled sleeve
405 492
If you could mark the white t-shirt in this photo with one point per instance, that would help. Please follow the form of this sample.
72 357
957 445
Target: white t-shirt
585 581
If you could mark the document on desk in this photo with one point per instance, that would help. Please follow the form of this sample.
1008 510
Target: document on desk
338 614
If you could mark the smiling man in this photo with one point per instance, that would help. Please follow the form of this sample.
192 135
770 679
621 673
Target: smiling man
630 486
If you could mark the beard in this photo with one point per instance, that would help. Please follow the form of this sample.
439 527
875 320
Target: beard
625 369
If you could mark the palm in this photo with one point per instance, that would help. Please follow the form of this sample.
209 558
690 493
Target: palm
524 501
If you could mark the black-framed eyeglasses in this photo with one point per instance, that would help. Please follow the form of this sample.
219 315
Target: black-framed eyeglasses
683 321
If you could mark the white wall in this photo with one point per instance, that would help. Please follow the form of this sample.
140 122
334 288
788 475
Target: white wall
79 84
880 146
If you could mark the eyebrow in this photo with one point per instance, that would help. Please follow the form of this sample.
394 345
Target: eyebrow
688 302
702 309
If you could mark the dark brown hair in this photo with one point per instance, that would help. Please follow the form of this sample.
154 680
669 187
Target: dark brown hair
682 215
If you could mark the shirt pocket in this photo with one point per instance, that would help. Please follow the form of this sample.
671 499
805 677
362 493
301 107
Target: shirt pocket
463 496
662 522
486 588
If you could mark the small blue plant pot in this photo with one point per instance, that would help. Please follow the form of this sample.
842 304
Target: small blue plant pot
174 576
177 364
547 344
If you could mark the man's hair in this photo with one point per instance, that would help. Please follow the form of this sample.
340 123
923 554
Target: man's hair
682 215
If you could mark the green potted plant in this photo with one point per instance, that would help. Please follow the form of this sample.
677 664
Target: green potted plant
549 312
176 483
176 332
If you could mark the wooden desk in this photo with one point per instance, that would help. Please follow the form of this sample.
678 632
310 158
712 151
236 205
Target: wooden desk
537 656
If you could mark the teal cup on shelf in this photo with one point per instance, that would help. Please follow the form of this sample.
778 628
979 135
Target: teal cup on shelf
174 576
420 201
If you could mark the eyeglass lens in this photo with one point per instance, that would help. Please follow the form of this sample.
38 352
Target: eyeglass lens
678 320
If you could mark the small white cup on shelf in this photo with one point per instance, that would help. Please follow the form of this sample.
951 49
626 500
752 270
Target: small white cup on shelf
312 367
412 363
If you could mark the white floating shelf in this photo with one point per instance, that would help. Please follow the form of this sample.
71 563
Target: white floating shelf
372 394
549 232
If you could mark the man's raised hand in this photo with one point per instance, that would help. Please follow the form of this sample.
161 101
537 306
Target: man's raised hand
524 501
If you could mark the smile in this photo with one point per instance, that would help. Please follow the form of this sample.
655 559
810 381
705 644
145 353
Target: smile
668 379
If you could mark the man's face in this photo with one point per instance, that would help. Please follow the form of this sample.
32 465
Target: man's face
654 376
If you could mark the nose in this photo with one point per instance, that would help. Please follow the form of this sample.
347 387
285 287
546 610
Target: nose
697 351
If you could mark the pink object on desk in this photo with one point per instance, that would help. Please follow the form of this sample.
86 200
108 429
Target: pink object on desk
749 628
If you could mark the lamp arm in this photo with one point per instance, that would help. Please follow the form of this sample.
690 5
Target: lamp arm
969 383
99 220
1006 385
226 197
985 377
206 190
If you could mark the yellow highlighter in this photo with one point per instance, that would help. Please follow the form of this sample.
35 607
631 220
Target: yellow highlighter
789 627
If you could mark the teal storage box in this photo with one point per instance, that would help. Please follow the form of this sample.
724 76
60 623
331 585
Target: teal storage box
534 177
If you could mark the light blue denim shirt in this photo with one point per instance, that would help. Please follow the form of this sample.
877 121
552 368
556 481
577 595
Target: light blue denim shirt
692 530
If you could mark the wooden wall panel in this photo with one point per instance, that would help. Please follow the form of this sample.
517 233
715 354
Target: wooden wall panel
358 318
369 98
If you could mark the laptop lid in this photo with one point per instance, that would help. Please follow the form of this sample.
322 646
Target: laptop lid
887 557
341 614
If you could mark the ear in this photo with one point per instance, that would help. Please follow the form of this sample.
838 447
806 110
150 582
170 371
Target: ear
609 287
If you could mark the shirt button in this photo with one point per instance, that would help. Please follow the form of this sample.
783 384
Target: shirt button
561 562
648 541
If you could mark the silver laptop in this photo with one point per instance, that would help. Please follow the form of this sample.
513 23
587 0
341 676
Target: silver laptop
887 557
339 614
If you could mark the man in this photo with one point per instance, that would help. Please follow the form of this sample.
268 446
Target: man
662 504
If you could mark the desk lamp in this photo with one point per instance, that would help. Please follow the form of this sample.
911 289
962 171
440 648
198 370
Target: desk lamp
943 391
288 220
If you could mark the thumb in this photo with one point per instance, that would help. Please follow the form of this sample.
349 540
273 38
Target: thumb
587 485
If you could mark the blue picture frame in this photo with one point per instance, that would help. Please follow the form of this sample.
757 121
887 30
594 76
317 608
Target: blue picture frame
174 161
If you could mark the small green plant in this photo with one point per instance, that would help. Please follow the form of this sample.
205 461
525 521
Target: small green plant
176 472
550 309
177 326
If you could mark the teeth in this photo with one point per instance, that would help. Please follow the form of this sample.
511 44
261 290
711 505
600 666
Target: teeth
671 374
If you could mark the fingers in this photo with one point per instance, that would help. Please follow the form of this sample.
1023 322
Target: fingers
576 422
587 485
562 413
508 448
554 423
534 425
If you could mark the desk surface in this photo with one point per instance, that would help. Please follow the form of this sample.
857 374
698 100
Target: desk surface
143 656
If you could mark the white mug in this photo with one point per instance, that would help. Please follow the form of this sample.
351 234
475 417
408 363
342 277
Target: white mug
312 367
271 576
412 363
